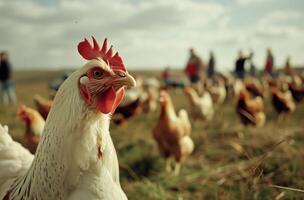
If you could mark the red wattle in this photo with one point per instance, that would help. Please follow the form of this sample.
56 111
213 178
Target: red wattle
109 100
85 94
119 96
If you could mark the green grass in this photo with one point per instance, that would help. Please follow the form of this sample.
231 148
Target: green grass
229 161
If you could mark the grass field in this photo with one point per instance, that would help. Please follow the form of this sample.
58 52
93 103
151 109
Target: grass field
229 162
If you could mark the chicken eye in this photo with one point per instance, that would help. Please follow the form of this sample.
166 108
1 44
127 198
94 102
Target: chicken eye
97 74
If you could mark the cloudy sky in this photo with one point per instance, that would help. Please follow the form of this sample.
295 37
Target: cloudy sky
151 33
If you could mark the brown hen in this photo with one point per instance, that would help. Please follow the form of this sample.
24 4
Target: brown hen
282 100
251 111
34 126
43 105
172 133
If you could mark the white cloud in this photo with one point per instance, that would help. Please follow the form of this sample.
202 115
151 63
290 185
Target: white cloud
147 33
248 2
55 30
280 17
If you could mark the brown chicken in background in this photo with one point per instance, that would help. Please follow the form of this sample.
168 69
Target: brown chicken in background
34 126
149 104
217 90
172 133
123 113
43 105
254 86
282 100
297 90
251 111
150 94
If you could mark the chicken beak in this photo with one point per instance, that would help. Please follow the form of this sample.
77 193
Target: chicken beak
123 79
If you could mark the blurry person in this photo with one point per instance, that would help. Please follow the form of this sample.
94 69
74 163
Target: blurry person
269 65
7 86
211 65
166 75
240 65
194 67
288 68
252 69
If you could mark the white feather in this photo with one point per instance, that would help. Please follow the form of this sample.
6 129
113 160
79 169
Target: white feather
15 160
84 80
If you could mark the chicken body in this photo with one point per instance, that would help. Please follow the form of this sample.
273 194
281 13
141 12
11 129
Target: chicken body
15 160
75 158
254 86
251 111
150 96
123 113
34 127
43 105
172 134
237 87
201 107
218 91
282 100
297 91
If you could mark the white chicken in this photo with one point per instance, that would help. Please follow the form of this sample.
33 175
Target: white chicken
76 158
151 89
201 107
217 90
238 86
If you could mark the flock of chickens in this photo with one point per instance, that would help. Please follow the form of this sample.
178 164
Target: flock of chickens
172 131
49 134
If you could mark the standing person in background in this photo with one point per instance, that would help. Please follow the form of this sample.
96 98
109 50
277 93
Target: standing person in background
269 65
194 67
240 71
7 87
252 69
211 65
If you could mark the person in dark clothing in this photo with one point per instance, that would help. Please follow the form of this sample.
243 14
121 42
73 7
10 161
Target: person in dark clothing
194 67
240 65
7 86
5 68
211 65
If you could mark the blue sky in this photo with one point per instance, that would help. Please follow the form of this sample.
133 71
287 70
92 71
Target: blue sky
151 34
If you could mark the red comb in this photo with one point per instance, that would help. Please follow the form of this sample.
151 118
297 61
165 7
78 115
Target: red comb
21 109
89 52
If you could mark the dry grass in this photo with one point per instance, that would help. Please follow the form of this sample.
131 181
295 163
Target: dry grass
229 162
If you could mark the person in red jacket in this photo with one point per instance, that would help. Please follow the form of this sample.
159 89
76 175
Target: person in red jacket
194 67
269 65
